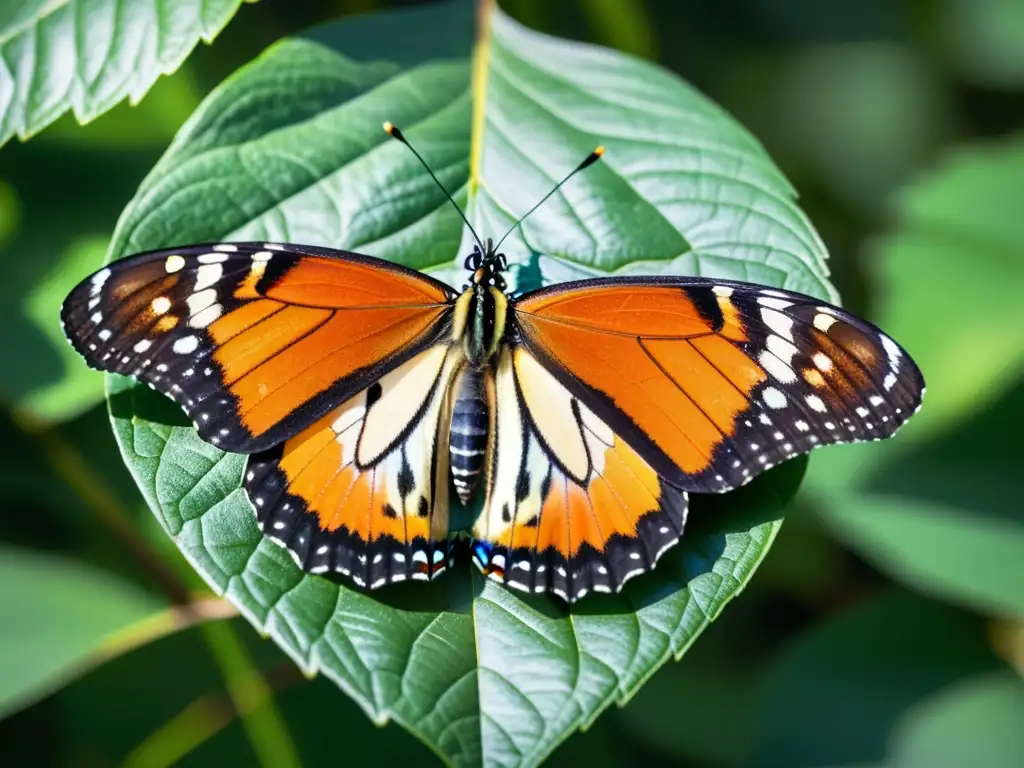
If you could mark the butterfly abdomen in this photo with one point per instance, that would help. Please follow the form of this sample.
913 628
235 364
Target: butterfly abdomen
470 420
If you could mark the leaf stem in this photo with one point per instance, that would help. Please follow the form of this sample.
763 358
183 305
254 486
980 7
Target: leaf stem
252 698
69 464
166 622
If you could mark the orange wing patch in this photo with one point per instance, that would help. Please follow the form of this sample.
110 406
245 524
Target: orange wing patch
670 387
364 490
570 506
712 382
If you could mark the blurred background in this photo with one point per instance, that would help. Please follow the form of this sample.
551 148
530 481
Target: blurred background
895 591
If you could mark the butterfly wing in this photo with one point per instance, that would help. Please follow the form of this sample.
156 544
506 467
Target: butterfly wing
364 490
712 382
571 507
255 341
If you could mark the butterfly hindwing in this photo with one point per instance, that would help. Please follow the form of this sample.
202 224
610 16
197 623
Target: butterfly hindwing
364 490
570 506
255 341
713 382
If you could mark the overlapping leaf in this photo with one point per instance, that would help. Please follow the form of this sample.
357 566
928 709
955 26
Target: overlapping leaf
88 55
290 149
57 615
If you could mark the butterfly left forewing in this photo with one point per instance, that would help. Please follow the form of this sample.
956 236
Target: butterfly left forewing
570 507
364 491
255 341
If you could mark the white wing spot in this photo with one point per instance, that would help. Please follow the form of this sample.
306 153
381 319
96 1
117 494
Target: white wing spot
263 256
816 403
174 263
778 322
226 247
822 361
774 398
781 348
823 322
802 425
98 280
892 351
104 334
208 275
212 258
876 400
201 300
774 303
721 290
143 345
776 367
890 381
186 345
862 411
160 305
205 317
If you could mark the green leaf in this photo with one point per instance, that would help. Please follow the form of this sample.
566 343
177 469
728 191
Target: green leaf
290 149
77 387
939 508
975 722
979 38
941 550
89 55
57 616
943 516
960 235
845 692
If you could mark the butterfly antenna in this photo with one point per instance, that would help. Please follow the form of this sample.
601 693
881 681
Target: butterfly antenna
393 131
590 159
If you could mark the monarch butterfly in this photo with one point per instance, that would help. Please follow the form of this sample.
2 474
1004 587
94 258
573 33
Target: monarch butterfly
586 411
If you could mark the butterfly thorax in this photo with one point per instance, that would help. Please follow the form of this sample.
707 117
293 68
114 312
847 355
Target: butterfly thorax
480 311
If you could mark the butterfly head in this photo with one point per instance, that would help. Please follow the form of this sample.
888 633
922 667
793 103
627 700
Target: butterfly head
487 266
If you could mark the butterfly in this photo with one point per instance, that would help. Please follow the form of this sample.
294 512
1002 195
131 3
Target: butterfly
584 413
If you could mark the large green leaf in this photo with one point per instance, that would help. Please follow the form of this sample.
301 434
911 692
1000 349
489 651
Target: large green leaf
939 509
56 615
88 55
290 149
863 689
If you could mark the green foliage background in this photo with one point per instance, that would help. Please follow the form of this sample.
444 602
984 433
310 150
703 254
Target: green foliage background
884 627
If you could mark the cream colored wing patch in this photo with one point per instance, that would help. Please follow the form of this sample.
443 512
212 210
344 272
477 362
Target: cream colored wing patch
364 491
570 506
